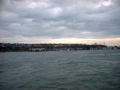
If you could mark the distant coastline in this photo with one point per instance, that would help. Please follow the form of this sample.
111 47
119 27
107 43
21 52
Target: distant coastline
4 47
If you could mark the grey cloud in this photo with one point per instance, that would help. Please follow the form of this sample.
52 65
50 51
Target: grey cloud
77 16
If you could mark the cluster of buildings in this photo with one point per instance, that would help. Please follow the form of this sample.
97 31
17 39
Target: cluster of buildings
52 47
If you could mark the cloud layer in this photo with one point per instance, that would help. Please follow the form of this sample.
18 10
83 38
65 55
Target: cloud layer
54 19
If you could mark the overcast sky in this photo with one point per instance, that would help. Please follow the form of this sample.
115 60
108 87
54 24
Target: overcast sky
60 21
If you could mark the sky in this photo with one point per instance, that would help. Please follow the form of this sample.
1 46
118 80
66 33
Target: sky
60 21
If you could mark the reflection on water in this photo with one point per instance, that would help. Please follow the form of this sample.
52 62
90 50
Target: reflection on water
60 70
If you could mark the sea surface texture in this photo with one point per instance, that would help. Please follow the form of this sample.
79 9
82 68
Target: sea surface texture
60 70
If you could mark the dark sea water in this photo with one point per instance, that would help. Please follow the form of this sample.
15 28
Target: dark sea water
60 70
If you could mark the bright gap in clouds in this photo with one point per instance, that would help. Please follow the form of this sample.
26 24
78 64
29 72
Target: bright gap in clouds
36 5
107 2
103 3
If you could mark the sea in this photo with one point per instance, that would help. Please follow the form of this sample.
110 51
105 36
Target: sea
60 70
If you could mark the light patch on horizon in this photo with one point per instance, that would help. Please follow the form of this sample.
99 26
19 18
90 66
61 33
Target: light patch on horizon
106 41
38 40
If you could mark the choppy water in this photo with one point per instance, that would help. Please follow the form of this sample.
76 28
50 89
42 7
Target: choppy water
60 70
